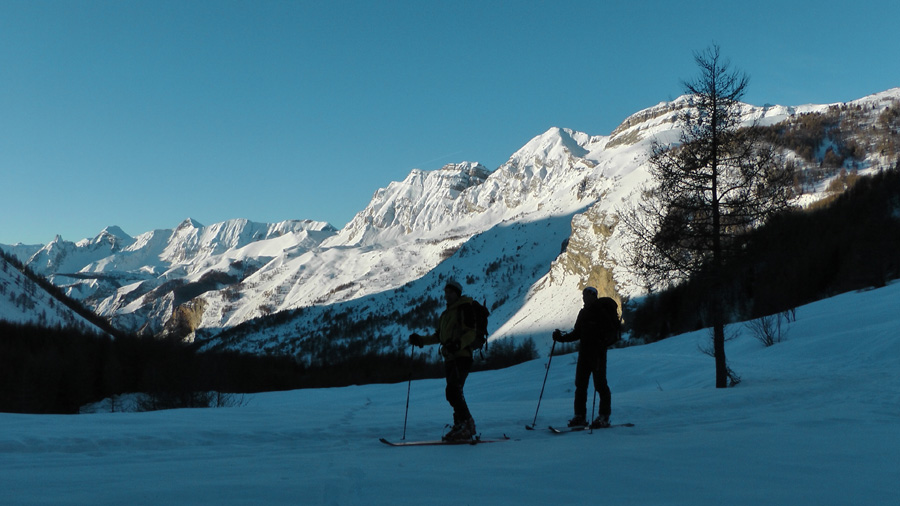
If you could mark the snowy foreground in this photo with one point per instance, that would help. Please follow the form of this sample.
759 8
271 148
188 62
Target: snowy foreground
816 421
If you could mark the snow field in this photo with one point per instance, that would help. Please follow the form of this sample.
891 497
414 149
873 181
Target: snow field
814 421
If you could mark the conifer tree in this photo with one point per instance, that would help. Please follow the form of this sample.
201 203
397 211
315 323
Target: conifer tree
709 189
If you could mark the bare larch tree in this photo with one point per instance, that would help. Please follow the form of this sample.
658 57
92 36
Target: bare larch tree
706 192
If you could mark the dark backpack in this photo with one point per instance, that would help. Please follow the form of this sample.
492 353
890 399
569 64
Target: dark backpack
610 327
481 314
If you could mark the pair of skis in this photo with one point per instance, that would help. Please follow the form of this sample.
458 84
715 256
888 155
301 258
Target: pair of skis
478 440
441 442
582 428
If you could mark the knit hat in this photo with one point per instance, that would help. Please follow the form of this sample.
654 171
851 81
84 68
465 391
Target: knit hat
592 290
451 283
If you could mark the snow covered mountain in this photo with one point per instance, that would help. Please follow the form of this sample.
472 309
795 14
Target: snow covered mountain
22 301
137 282
525 237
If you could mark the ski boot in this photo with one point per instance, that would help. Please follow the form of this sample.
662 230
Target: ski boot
461 431
601 422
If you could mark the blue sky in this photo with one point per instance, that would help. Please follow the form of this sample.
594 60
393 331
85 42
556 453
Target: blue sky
143 113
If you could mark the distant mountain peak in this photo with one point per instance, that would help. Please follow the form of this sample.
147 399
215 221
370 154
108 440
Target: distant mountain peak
188 223
115 231
553 143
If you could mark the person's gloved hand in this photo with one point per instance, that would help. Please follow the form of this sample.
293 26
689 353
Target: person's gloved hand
557 335
449 348
416 340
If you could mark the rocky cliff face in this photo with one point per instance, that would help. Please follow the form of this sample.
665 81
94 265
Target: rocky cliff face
586 254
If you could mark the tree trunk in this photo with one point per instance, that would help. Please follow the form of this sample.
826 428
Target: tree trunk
719 352
718 318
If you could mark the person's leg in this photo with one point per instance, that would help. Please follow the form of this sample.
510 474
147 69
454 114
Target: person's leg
602 387
582 380
457 371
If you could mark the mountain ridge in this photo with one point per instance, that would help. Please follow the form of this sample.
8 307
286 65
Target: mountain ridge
411 236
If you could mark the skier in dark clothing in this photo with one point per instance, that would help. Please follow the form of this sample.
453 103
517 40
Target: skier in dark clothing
455 334
597 327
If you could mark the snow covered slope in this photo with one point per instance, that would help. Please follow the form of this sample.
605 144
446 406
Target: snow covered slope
25 302
814 422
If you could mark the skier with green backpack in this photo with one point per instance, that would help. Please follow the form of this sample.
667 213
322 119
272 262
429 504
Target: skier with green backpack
462 327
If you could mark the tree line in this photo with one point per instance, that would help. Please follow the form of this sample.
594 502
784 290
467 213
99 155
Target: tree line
60 370
798 257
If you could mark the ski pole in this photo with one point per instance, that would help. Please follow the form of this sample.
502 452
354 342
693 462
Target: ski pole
408 388
544 384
